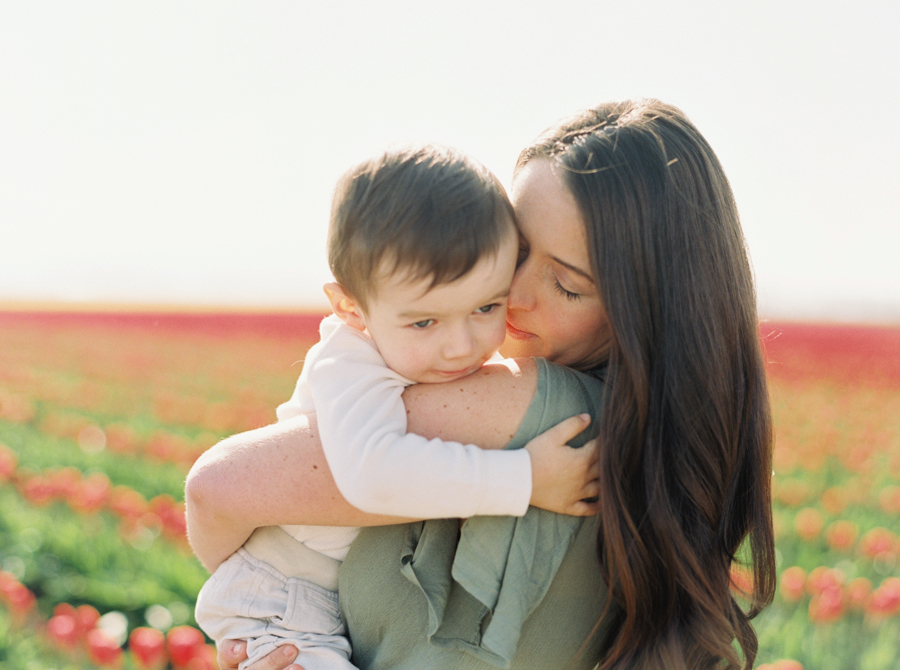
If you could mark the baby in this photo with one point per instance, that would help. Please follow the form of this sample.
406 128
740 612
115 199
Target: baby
423 247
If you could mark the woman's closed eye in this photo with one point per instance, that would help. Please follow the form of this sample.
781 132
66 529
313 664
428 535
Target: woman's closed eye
569 295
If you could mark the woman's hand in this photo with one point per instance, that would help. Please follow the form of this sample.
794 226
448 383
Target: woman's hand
564 479
232 652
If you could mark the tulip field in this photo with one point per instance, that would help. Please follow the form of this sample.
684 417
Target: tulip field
102 414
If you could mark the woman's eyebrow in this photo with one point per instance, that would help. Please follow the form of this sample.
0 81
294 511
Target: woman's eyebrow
574 268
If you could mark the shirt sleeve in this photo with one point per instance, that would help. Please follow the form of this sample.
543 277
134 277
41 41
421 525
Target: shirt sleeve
381 469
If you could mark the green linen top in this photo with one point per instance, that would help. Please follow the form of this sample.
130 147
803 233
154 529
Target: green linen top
520 593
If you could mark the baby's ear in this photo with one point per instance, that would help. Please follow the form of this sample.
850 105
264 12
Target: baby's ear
345 307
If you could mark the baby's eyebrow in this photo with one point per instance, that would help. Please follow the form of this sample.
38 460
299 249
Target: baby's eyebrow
416 315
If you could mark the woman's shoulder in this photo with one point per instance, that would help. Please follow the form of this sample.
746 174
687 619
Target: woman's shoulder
560 392
550 375
559 388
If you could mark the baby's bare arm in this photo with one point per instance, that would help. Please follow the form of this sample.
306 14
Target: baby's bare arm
485 408
265 477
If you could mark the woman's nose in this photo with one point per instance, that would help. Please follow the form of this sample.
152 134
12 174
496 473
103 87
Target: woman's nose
521 291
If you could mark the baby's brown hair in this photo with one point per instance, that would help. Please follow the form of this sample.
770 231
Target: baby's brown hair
427 210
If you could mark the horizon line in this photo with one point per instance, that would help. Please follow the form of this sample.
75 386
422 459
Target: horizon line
118 307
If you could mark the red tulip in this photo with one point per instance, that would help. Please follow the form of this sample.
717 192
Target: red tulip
877 541
8 463
791 492
65 482
808 523
92 494
65 608
741 580
148 646
37 490
822 578
858 591
16 595
889 499
22 599
120 439
787 664
7 582
63 630
828 605
793 583
15 408
834 500
204 659
87 617
784 664
885 600
171 514
102 648
127 503
841 535
183 643
166 446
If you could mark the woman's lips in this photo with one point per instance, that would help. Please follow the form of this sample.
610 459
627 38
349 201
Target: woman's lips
517 334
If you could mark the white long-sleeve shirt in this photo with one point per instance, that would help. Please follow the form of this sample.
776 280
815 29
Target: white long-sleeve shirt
377 466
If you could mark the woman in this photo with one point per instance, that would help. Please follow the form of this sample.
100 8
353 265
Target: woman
633 268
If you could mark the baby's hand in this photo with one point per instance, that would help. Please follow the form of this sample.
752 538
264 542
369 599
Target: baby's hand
232 652
563 477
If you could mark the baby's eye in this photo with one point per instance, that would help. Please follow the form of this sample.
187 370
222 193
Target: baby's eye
423 324
486 309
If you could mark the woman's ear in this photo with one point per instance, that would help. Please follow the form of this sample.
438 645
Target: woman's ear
345 307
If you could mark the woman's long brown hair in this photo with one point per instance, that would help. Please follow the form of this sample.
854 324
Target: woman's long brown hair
686 436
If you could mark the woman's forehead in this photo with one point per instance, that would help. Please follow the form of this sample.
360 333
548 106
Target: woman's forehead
548 214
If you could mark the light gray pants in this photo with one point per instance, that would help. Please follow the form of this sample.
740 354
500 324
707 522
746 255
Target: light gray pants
248 599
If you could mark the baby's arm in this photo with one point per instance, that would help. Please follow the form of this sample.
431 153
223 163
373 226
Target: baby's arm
274 475
563 479
382 469
278 474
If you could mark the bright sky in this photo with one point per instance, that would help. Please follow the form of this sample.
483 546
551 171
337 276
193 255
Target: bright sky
185 152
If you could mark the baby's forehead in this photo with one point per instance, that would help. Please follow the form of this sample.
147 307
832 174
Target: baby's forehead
405 297
407 279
